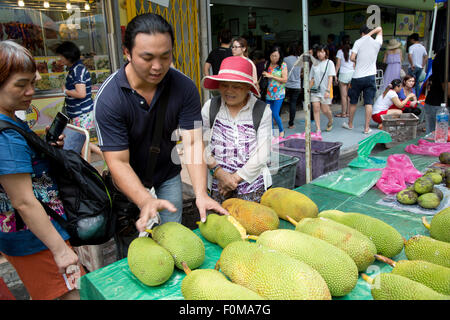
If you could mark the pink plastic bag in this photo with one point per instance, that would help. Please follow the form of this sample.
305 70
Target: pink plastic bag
428 148
314 136
399 170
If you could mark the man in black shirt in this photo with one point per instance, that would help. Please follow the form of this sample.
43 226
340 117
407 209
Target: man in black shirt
436 94
216 56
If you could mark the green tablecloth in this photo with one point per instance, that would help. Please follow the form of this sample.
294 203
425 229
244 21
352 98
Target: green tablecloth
116 281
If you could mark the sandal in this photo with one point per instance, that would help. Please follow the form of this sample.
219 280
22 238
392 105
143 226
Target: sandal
329 126
341 115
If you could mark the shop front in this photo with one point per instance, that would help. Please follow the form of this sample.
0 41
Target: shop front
40 26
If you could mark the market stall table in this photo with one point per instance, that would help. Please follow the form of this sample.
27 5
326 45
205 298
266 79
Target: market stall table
116 282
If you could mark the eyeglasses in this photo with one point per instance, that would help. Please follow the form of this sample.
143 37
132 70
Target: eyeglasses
236 47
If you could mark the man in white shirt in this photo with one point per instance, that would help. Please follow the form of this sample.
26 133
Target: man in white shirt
364 54
417 56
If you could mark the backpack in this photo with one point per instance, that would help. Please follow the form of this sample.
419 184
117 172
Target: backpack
85 197
258 111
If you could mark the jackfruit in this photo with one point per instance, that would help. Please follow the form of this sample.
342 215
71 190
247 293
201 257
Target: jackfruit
291 203
335 266
435 177
407 196
423 185
440 225
353 242
387 240
429 200
149 262
271 274
432 275
254 217
425 248
388 286
222 229
210 284
436 170
182 243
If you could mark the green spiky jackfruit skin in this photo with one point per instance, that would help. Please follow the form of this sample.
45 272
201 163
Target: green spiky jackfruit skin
149 262
353 242
182 243
272 274
440 225
388 286
335 266
210 284
208 229
432 275
425 248
387 240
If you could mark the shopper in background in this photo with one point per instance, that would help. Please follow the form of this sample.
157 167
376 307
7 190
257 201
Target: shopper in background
344 69
238 154
77 89
417 57
411 105
321 86
293 85
239 47
278 75
364 54
216 56
393 59
34 244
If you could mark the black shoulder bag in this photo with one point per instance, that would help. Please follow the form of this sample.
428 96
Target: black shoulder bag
126 212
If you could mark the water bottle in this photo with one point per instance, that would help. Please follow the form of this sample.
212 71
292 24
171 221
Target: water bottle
441 132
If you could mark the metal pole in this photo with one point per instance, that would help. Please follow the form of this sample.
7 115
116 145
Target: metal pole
306 103
432 29
446 55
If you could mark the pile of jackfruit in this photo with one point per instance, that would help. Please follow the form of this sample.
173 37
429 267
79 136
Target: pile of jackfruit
322 258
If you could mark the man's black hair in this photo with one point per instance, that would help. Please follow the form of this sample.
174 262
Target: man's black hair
149 23
414 36
69 50
364 29
224 36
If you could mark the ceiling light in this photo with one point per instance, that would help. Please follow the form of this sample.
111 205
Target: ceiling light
46 4
20 3
87 6
68 6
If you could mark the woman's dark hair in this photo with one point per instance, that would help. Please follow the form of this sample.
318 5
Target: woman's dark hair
243 42
69 50
149 23
294 49
321 47
346 50
406 78
394 83
280 51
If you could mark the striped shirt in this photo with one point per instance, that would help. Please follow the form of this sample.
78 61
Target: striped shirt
78 74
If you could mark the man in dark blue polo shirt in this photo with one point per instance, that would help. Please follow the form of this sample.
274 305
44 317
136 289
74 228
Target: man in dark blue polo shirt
125 110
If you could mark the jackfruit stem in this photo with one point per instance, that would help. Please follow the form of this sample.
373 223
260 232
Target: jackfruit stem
149 231
217 267
292 220
367 278
252 237
198 222
425 223
186 269
385 260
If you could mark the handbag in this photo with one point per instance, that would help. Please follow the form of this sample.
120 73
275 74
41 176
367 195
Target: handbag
125 211
316 89
264 83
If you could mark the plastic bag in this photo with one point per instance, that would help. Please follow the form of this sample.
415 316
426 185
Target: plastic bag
314 136
399 171
365 148
428 148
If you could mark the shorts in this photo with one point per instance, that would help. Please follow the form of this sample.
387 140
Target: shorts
367 86
321 99
345 77
85 120
40 276
377 117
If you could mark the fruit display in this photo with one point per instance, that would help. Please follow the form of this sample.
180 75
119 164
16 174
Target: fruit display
421 247
360 248
290 203
222 230
387 240
335 266
272 274
254 217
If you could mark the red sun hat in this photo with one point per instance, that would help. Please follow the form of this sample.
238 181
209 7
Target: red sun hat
232 69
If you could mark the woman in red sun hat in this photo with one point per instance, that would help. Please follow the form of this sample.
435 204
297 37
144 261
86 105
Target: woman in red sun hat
238 130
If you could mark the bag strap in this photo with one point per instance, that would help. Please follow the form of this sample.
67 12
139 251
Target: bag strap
326 67
257 112
157 136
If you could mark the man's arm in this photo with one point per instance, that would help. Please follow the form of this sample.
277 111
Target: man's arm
130 185
195 163
206 68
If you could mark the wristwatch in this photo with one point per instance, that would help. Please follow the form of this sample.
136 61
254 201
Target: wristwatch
214 170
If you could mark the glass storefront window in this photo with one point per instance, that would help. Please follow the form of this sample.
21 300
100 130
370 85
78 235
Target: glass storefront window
41 26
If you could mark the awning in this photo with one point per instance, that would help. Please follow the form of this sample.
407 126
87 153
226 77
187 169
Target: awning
409 4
